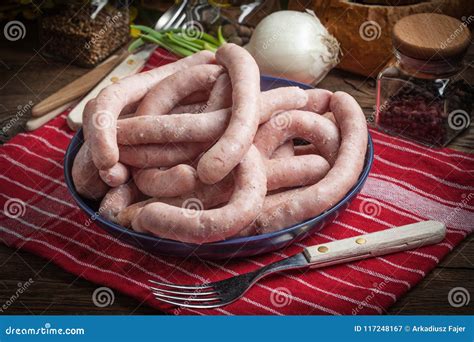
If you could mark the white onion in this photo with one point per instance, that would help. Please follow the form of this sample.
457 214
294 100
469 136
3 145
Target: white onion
294 45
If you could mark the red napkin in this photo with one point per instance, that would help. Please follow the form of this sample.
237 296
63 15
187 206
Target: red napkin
408 183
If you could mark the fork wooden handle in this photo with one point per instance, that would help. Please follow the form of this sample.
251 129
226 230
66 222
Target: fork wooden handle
370 245
35 123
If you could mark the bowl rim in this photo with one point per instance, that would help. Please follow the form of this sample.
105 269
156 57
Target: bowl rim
77 141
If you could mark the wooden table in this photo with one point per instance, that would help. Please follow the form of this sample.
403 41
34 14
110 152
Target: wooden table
26 75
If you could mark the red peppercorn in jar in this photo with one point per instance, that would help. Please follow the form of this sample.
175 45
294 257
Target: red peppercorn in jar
423 95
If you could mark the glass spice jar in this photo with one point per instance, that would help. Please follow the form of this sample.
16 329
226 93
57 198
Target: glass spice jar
423 94
85 32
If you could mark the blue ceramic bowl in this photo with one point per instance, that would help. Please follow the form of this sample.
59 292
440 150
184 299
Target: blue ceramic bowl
238 247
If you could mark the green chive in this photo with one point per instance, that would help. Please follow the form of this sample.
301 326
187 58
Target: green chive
210 39
210 47
174 49
146 29
220 37
135 44
177 40
183 42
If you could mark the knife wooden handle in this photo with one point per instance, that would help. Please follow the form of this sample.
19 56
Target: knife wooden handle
380 243
35 123
78 87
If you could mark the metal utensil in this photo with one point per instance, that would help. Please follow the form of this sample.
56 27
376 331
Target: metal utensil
171 16
203 9
174 17
97 5
247 9
226 291
36 122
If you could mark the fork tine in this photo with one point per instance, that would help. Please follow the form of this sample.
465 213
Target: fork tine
185 299
193 293
186 287
192 306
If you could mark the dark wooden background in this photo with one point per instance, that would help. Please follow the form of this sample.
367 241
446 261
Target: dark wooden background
26 75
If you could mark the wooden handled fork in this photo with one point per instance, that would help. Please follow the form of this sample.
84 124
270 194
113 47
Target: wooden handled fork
226 291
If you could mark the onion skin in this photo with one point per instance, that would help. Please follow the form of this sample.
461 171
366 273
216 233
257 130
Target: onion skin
294 45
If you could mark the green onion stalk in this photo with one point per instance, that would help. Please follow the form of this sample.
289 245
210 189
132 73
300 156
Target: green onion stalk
182 42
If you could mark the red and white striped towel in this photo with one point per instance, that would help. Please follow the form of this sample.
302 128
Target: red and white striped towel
408 183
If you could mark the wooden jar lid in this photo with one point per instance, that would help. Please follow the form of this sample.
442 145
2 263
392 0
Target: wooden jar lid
431 36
